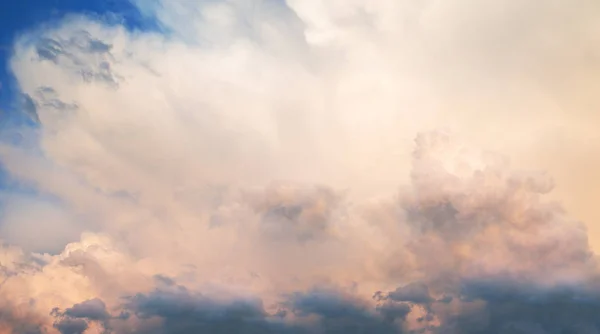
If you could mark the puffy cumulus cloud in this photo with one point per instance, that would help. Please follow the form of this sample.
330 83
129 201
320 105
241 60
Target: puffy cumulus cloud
475 250
249 170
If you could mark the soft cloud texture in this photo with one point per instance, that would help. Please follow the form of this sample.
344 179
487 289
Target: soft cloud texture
268 167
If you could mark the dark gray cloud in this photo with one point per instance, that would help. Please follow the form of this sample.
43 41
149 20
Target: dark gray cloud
71 326
414 293
341 314
485 306
392 311
93 309
182 311
505 306
527 308
76 319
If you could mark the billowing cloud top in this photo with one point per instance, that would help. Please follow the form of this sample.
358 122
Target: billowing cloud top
270 167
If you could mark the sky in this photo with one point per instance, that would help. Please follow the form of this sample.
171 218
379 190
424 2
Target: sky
299 166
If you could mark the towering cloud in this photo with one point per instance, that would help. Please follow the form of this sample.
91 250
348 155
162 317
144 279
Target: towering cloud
273 167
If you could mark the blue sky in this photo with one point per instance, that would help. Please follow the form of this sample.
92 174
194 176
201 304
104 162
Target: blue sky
17 16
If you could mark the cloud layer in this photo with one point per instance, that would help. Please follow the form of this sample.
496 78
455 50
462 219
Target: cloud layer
271 167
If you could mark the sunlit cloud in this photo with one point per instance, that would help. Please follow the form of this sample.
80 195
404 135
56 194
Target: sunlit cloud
300 167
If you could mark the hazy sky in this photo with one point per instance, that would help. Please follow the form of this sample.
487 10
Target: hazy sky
301 166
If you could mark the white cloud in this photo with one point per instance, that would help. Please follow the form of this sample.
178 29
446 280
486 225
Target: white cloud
257 149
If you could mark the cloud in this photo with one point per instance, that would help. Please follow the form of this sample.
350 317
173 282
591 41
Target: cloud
182 311
37 223
71 326
338 313
77 319
524 308
295 210
13 319
267 166
93 309
414 293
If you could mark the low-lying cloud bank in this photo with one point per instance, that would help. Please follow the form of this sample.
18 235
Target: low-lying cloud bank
260 167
